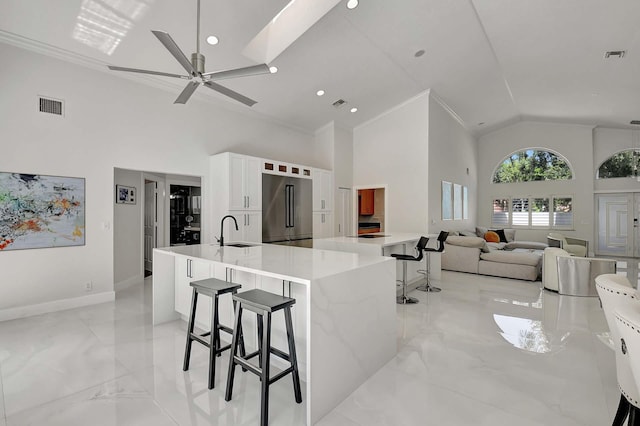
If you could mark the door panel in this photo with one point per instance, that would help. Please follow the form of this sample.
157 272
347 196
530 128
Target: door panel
616 233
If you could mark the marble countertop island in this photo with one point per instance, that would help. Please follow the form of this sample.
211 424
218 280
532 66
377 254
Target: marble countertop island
344 316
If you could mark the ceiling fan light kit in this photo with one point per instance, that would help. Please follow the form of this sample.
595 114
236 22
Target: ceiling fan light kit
196 71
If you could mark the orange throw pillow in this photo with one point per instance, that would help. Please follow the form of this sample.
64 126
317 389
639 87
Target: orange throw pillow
492 237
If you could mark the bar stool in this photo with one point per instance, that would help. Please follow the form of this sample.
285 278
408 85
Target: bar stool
263 304
422 243
427 285
213 288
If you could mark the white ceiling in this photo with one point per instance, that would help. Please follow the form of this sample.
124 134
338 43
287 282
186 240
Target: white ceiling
491 61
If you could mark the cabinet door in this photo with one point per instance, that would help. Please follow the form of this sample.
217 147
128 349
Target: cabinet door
237 196
327 191
188 270
253 227
366 202
253 183
322 225
230 233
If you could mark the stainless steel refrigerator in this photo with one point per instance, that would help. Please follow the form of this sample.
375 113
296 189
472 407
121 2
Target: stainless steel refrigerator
287 210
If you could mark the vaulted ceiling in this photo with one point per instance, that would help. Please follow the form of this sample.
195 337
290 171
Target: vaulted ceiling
491 61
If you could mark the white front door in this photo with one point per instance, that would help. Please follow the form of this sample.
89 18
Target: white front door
617 216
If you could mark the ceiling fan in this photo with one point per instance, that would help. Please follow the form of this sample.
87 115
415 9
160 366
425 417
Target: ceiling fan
195 69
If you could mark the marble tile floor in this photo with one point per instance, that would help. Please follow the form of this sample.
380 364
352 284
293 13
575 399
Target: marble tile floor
486 351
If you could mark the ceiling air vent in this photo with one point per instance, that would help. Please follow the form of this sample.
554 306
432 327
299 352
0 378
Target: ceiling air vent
615 54
51 106
339 103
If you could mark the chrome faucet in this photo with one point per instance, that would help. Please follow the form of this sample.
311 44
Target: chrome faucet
222 228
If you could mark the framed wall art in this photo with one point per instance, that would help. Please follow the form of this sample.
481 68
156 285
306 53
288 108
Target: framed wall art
41 211
125 194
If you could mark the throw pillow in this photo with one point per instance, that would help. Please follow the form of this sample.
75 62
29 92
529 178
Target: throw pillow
491 237
501 235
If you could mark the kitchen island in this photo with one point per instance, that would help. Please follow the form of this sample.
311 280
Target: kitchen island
383 244
344 317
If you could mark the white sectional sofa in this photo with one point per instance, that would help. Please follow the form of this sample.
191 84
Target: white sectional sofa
514 259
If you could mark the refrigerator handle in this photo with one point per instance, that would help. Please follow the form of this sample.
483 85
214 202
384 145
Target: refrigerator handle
287 206
292 204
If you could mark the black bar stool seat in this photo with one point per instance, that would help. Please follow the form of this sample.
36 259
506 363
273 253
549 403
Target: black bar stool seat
442 237
422 243
263 304
213 288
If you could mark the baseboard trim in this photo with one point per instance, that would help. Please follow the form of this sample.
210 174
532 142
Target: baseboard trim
56 305
137 279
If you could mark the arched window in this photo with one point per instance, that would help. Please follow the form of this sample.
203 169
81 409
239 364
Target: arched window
532 165
621 165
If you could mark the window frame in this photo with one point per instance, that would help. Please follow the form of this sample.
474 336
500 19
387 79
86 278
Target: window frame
550 199
539 149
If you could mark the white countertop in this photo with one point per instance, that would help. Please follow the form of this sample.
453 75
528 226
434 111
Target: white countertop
391 238
297 264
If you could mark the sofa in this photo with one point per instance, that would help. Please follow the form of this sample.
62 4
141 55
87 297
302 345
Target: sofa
519 260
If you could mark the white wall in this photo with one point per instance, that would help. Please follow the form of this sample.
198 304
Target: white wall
453 158
127 229
109 122
323 147
607 142
574 142
393 150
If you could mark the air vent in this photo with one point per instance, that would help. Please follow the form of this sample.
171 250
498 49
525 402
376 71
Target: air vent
636 122
339 103
51 106
615 54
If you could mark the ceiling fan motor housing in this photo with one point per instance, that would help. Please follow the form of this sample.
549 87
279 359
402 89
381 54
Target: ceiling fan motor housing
197 60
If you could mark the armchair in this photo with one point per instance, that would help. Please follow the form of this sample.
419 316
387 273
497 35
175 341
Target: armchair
574 246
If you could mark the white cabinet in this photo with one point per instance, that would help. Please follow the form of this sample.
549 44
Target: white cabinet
322 190
187 270
245 183
249 227
322 224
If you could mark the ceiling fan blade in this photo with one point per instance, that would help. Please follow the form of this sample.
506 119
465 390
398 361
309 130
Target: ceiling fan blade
230 93
187 92
165 74
285 28
238 72
172 47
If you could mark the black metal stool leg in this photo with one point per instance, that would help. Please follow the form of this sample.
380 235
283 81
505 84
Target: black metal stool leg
232 353
292 355
214 343
622 413
259 321
264 365
192 320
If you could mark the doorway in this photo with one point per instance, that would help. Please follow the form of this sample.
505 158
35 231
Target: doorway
617 227
371 209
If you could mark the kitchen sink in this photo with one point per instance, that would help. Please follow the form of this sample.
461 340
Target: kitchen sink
239 245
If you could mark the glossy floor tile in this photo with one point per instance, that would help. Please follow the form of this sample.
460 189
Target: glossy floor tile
484 351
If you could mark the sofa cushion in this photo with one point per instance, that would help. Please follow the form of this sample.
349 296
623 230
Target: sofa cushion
497 246
468 234
535 245
501 235
492 237
509 234
510 257
476 242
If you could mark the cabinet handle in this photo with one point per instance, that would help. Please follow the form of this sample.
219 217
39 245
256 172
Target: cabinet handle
248 223
322 217
189 269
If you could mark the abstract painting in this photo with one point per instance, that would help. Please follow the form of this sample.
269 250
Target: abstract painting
38 211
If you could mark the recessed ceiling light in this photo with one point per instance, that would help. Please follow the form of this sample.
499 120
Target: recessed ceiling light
352 4
419 53
212 40
354 109
273 70
320 92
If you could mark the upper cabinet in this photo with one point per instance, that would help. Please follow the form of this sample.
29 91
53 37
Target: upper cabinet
245 183
366 202
322 190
